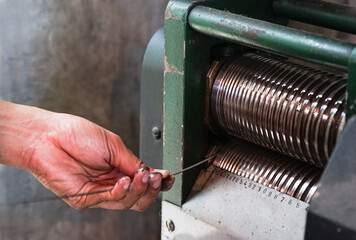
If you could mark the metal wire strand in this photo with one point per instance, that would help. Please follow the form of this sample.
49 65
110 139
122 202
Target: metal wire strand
286 107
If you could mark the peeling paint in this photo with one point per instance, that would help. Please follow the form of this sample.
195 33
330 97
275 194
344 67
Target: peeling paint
234 24
164 121
249 32
252 33
171 69
169 15
225 27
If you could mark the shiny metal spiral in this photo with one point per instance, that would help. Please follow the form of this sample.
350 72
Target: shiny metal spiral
289 176
280 105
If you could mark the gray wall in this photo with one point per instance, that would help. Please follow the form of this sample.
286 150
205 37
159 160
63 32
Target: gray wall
81 57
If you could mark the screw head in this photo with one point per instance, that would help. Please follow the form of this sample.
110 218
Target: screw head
170 225
156 133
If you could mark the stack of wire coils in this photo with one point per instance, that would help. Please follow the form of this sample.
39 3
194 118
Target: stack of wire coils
288 108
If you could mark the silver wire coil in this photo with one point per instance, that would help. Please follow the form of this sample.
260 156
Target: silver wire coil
283 106
271 169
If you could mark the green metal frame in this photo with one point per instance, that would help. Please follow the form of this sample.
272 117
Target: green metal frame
270 37
191 29
183 97
322 13
186 61
279 39
351 86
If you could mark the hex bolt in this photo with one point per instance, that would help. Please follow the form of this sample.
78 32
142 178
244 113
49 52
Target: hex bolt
170 225
156 133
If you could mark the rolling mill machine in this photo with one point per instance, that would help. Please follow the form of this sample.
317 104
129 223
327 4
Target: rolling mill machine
274 108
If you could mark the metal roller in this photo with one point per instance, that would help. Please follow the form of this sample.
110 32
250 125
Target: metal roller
269 168
283 106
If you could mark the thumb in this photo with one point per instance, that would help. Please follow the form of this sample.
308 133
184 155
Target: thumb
125 160
121 157
129 163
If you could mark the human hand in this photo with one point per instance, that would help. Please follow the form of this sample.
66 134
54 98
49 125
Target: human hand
71 155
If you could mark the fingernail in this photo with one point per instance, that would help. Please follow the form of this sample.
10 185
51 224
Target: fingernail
157 180
156 184
126 185
152 175
145 177
127 182
165 173
142 169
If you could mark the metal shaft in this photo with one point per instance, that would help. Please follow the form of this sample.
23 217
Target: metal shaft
321 13
270 37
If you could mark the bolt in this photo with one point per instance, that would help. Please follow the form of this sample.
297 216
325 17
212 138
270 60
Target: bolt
170 225
156 133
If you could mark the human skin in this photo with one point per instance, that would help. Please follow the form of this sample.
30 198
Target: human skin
71 155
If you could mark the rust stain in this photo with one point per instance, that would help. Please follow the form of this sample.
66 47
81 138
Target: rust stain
252 33
235 24
225 27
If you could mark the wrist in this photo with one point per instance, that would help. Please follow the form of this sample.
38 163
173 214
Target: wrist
21 129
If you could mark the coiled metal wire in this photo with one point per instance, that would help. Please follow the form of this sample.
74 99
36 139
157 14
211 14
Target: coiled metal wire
280 105
289 176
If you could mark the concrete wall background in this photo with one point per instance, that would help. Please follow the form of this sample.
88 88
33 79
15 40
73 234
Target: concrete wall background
81 57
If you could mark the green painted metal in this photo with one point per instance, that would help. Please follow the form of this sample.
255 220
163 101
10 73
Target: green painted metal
351 86
271 37
187 59
321 13
151 102
184 134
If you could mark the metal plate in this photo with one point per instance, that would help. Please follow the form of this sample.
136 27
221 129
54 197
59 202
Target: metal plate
242 208
333 211
188 227
151 106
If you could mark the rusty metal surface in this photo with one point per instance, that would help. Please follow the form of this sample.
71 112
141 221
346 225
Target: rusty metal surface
283 106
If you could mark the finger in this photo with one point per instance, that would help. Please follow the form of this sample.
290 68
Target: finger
154 186
137 188
165 173
167 183
118 192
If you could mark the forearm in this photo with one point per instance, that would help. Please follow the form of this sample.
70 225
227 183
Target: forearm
21 128
71 155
